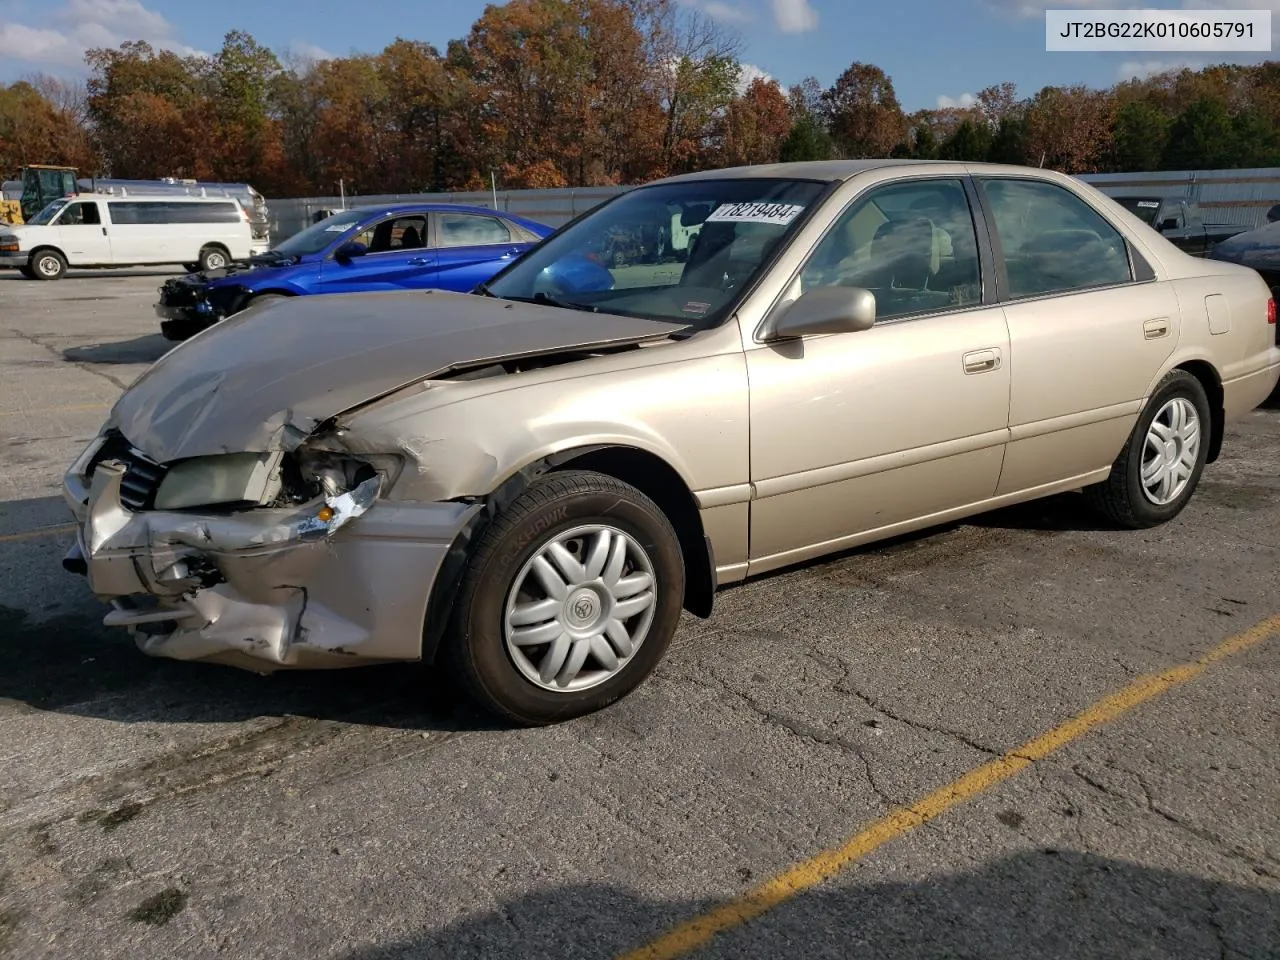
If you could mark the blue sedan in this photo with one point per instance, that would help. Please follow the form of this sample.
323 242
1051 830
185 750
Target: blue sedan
404 246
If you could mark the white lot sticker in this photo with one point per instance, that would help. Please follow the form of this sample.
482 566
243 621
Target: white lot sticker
776 213
337 228
1148 203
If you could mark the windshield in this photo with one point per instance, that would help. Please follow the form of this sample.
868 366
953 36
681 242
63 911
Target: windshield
679 251
319 235
1140 207
46 215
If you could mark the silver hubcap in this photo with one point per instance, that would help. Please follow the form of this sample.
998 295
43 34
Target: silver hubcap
580 608
1170 453
49 266
215 261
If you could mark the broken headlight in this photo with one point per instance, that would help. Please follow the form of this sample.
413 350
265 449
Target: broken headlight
227 478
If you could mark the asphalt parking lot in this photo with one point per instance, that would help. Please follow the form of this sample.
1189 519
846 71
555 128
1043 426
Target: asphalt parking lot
872 756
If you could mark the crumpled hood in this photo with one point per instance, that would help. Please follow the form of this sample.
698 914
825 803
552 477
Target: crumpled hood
266 378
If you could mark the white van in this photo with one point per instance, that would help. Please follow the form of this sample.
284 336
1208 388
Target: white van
99 230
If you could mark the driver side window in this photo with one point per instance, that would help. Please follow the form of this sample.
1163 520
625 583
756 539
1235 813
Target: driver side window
395 233
913 245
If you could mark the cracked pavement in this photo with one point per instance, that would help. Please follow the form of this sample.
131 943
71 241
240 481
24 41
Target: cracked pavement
159 809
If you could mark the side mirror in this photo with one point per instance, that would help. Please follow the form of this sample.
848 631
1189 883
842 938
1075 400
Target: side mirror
1169 223
349 250
827 310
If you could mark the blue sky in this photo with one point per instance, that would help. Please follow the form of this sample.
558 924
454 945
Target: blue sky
936 51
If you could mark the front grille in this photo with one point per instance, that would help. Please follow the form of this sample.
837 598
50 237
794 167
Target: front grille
142 475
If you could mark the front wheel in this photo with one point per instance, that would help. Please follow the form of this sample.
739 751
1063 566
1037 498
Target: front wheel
1160 467
569 601
48 265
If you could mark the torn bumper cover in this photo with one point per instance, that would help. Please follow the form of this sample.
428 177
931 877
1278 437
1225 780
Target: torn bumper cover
322 584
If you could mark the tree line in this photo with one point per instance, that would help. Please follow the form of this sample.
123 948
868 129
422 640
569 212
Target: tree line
555 93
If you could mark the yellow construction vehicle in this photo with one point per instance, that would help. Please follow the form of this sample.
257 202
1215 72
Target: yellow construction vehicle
38 186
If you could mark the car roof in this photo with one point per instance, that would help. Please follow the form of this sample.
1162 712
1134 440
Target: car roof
150 197
835 170
433 208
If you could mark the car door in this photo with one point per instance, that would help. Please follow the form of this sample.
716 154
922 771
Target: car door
859 432
82 235
1089 326
397 258
472 248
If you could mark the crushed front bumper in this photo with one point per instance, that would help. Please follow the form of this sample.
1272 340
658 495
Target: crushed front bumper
263 588
187 306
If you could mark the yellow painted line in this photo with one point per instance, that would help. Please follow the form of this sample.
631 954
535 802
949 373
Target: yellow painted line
699 931
38 532
66 408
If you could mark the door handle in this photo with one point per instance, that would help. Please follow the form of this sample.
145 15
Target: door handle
104 231
980 361
1155 329
420 261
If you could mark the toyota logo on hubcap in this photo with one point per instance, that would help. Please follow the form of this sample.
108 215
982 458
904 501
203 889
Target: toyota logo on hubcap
583 608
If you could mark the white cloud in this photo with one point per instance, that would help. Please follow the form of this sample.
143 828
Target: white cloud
309 52
750 72
725 12
1036 8
962 102
1144 69
794 16
60 40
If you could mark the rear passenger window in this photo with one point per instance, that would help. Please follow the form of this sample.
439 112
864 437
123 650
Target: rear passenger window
172 211
466 230
911 244
1053 241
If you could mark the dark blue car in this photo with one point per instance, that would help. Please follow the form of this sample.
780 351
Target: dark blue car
403 246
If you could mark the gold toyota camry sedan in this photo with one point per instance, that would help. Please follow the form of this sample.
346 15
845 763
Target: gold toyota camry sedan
706 378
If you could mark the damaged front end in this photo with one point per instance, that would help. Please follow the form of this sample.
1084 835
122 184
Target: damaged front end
263 561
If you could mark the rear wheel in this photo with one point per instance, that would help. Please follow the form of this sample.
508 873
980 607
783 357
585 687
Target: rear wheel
569 601
48 265
213 258
1160 467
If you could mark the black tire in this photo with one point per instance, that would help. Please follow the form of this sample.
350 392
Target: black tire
47 265
191 267
1122 498
475 646
213 258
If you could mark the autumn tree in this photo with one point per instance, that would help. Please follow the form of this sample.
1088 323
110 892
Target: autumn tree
1140 136
757 124
43 120
808 138
695 69
246 142
1069 128
148 111
863 113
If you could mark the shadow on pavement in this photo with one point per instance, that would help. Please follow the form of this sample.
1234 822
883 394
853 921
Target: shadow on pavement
1041 904
146 349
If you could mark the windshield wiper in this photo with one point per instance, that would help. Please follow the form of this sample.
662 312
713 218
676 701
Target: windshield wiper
539 298
551 301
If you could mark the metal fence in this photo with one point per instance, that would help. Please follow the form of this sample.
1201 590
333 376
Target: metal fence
552 207
1226 196
1239 197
